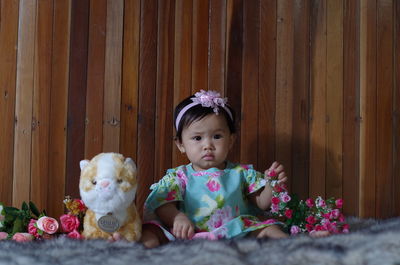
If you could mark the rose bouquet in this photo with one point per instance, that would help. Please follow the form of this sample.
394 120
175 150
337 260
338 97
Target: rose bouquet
306 216
28 223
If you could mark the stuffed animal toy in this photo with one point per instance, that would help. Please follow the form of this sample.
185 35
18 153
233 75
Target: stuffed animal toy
108 187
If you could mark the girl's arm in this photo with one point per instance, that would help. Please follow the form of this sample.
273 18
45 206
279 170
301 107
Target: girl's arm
263 197
181 226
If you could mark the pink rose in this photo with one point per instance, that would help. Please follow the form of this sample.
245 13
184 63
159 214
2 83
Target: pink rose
75 234
339 203
69 222
311 220
294 230
47 224
309 203
285 197
334 214
3 235
275 200
213 185
274 208
288 213
22 237
32 228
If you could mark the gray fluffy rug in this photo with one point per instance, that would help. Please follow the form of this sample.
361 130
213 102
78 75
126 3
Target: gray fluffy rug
369 242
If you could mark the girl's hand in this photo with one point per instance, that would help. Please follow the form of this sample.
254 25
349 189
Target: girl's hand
276 171
183 228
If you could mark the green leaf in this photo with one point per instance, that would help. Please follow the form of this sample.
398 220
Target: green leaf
18 226
11 211
24 207
34 209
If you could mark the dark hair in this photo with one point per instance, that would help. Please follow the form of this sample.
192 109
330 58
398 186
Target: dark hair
198 112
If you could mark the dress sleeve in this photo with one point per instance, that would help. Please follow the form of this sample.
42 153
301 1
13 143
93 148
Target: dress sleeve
168 189
253 180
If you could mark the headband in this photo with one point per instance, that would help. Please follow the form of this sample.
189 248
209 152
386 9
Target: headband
208 99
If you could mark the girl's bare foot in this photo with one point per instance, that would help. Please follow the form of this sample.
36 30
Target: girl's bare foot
152 236
317 234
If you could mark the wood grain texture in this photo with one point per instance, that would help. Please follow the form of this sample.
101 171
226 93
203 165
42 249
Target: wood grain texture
41 103
351 86
112 75
200 41
9 11
284 85
24 102
249 119
130 79
266 83
384 137
301 100
77 93
334 102
368 108
165 81
95 78
147 95
234 59
318 98
217 46
58 108
396 112
182 61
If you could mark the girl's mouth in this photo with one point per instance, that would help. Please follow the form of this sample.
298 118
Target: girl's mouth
208 157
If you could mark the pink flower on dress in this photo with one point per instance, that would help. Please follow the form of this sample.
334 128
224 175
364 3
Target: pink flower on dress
32 229
213 185
252 187
182 178
247 167
171 195
219 218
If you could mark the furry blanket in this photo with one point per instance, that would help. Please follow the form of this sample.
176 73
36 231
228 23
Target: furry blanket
369 242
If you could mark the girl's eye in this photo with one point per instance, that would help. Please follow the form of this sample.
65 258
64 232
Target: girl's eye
217 136
94 182
119 181
197 138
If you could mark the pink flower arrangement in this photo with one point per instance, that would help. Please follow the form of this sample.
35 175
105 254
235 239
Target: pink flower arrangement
307 216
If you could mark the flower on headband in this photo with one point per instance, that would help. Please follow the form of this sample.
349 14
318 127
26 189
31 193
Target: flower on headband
211 99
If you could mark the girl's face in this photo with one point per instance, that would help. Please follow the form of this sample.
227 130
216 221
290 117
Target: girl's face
207 142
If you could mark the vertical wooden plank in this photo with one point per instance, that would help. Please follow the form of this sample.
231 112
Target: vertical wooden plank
351 70
266 83
396 111
147 95
368 107
182 62
130 79
249 123
23 102
384 102
58 107
41 103
334 94
112 75
217 41
284 85
200 45
318 99
95 78
77 93
165 82
234 59
301 99
8 65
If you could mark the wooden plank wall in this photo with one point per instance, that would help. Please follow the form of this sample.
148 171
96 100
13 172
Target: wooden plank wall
315 84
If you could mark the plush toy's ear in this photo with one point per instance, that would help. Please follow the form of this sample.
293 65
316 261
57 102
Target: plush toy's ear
83 164
129 162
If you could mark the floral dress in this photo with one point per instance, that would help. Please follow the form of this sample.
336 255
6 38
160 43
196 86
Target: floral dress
214 200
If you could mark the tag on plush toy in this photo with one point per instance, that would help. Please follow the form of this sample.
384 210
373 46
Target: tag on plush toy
108 223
